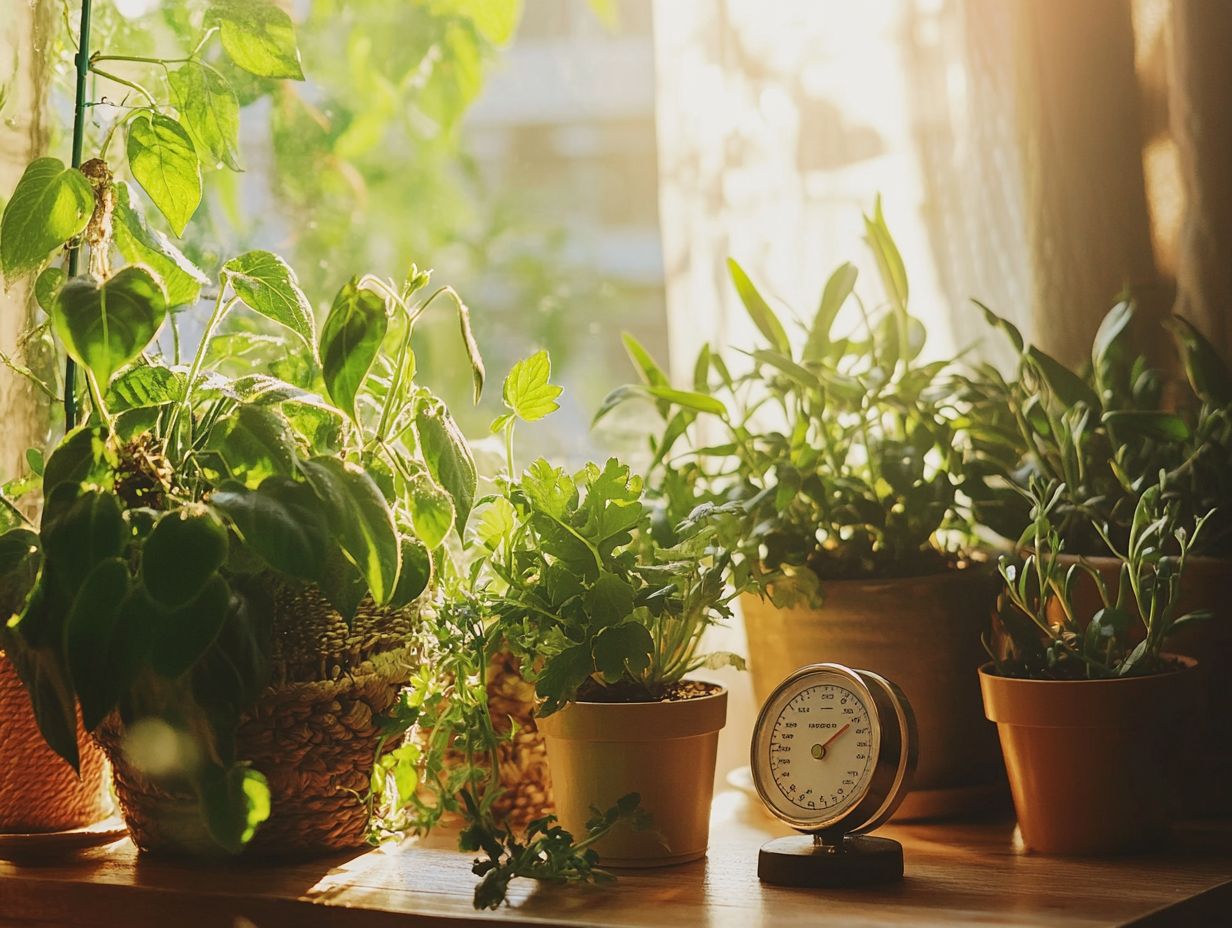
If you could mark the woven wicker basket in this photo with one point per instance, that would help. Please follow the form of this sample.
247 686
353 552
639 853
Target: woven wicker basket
311 734
39 792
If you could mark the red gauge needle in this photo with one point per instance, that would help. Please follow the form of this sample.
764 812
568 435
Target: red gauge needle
819 750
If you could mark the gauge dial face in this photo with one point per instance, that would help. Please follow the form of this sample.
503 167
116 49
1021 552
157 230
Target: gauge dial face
815 749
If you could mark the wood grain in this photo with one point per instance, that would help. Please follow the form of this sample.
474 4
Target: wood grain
972 874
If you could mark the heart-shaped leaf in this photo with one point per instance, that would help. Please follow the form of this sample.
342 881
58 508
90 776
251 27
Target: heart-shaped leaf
259 37
415 573
431 509
83 456
105 327
267 284
254 443
281 521
209 110
361 521
50 205
182 635
46 286
163 160
80 530
449 458
623 650
181 554
139 244
350 341
90 634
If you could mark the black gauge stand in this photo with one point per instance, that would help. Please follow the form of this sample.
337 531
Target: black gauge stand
823 861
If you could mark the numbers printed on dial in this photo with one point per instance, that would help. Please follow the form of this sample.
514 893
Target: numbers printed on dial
821 748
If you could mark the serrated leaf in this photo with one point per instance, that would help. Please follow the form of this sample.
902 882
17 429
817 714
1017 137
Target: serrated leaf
49 206
361 521
527 391
449 458
495 522
143 386
209 111
105 327
758 309
259 37
163 160
549 488
350 341
140 244
267 285
181 554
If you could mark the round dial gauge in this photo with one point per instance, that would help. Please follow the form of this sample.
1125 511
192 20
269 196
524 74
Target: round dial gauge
833 749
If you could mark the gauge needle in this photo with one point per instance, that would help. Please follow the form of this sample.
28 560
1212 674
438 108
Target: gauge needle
819 750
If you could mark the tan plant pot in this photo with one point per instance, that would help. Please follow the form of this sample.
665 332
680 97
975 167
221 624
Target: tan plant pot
1207 584
1091 762
664 751
39 792
924 634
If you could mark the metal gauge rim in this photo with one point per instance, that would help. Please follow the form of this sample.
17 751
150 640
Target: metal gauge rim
893 749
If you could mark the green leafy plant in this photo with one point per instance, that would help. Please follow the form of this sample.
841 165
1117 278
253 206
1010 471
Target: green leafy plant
1049 639
836 459
1105 434
187 496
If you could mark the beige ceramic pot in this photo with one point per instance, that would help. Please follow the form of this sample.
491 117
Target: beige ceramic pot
1092 763
923 633
664 751
39 792
1207 584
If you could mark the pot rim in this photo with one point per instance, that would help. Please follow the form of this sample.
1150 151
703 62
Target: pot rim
1108 560
974 570
720 690
1190 665
636 722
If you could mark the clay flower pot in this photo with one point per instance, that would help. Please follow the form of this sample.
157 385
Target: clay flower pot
1205 585
664 751
39 792
1092 763
924 634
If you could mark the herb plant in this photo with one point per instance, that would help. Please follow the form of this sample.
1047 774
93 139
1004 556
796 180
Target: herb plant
839 458
187 495
1105 434
1049 640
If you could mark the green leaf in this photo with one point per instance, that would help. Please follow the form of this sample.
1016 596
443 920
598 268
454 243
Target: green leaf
350 341
549 488
259 37
83 456
623 650
45 678
1110 334
1207 373
449 458
281 521
998 322
46 286
105 327
163 160
20 558
609 600
254 443
267 284
415 573
180 637
527 391
143 386
562 675
1067 386
181 554
1146 423
838 288
50 205
140 244
431 510
758 309
361 520
495 523
80 530
235 800
91 630
496 20
209 110
889 264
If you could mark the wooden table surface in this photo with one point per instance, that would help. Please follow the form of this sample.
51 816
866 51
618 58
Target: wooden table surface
964 874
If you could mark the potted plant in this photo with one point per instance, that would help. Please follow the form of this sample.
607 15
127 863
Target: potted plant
1091 718
608 624
1106 434
225 574
836 474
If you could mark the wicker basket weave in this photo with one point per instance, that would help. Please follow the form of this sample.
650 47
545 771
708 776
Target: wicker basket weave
311 733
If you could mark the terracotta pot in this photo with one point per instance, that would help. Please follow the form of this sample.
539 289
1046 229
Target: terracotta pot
664 751
1207 584
39 792
1092 763
923 633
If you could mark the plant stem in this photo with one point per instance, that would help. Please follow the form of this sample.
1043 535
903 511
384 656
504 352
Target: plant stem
74 252
127 83
220 310
139 59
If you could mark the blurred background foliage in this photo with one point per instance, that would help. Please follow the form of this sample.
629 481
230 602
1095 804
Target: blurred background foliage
459 135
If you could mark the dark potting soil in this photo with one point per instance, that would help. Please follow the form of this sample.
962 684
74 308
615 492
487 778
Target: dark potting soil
626 692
